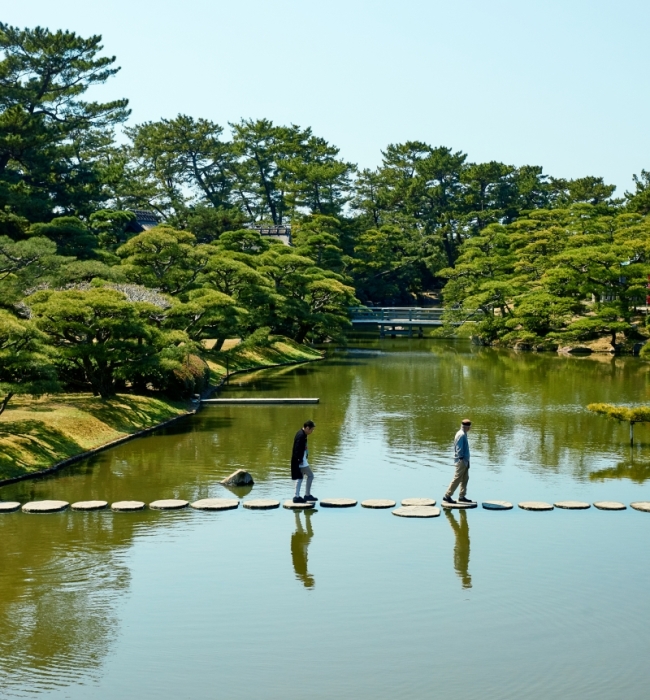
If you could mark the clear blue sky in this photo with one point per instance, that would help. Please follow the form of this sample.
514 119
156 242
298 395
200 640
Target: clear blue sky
557 83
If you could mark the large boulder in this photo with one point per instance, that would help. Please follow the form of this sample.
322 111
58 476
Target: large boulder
239 478
575 350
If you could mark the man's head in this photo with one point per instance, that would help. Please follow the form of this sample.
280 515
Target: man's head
466 424
309 426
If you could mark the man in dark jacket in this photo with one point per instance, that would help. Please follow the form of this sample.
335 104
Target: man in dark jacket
300 465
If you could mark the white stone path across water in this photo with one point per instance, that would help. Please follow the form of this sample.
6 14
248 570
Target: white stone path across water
410 507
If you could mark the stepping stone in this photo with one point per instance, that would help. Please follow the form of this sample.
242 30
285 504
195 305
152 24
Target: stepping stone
216 504
418 502
572 505
89 505
378 503
168 504
535 505
444 504
127 505
261 504
641 505
338 503
497 505
417 512
610 505
45 506
9 506
290 505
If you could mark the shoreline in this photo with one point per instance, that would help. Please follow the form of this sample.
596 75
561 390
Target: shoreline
57 466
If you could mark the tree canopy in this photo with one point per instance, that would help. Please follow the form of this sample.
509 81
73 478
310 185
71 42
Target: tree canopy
109 304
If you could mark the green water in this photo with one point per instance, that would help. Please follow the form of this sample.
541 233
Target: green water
355 603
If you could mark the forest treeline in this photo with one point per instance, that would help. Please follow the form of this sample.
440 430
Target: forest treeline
89 301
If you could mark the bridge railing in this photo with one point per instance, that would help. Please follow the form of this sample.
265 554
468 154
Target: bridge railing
395 313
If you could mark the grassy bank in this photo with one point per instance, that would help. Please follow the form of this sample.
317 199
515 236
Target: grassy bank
278 352
35 434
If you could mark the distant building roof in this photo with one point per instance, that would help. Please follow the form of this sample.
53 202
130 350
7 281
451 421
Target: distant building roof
279 233
144 220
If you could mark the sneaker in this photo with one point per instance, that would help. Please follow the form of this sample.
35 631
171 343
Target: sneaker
311 498
448 499
299 499
462 499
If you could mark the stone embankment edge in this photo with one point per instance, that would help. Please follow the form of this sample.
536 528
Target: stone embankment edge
145 431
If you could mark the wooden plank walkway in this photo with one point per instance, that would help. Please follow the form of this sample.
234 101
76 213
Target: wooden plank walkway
265 401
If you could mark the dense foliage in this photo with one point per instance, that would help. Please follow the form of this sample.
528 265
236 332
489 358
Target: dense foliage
554 276
88 296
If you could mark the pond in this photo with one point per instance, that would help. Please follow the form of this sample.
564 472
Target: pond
352 603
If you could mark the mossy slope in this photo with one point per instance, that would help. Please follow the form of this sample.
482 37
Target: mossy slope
37 433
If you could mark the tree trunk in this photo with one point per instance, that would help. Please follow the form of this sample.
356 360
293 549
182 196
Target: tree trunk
5 401
302 333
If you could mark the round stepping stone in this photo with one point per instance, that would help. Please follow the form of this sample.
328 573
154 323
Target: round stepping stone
572 505
338 503
418 502
444 504
216 504
261 504
127 505
378 503
535 505
45 506
168 504
89 505
290 505
610 505
497 505
9 506
641 505
417 512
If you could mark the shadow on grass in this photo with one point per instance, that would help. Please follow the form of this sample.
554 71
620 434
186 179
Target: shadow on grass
29 445
127 414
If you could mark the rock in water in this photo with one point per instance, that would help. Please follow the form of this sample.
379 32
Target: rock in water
239 478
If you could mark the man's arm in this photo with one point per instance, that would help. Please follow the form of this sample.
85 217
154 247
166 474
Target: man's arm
299 443
464 447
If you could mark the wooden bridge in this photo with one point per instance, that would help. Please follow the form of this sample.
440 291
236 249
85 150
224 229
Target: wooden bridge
398 320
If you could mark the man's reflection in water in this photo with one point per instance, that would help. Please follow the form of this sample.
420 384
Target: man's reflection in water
299 544
461 547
